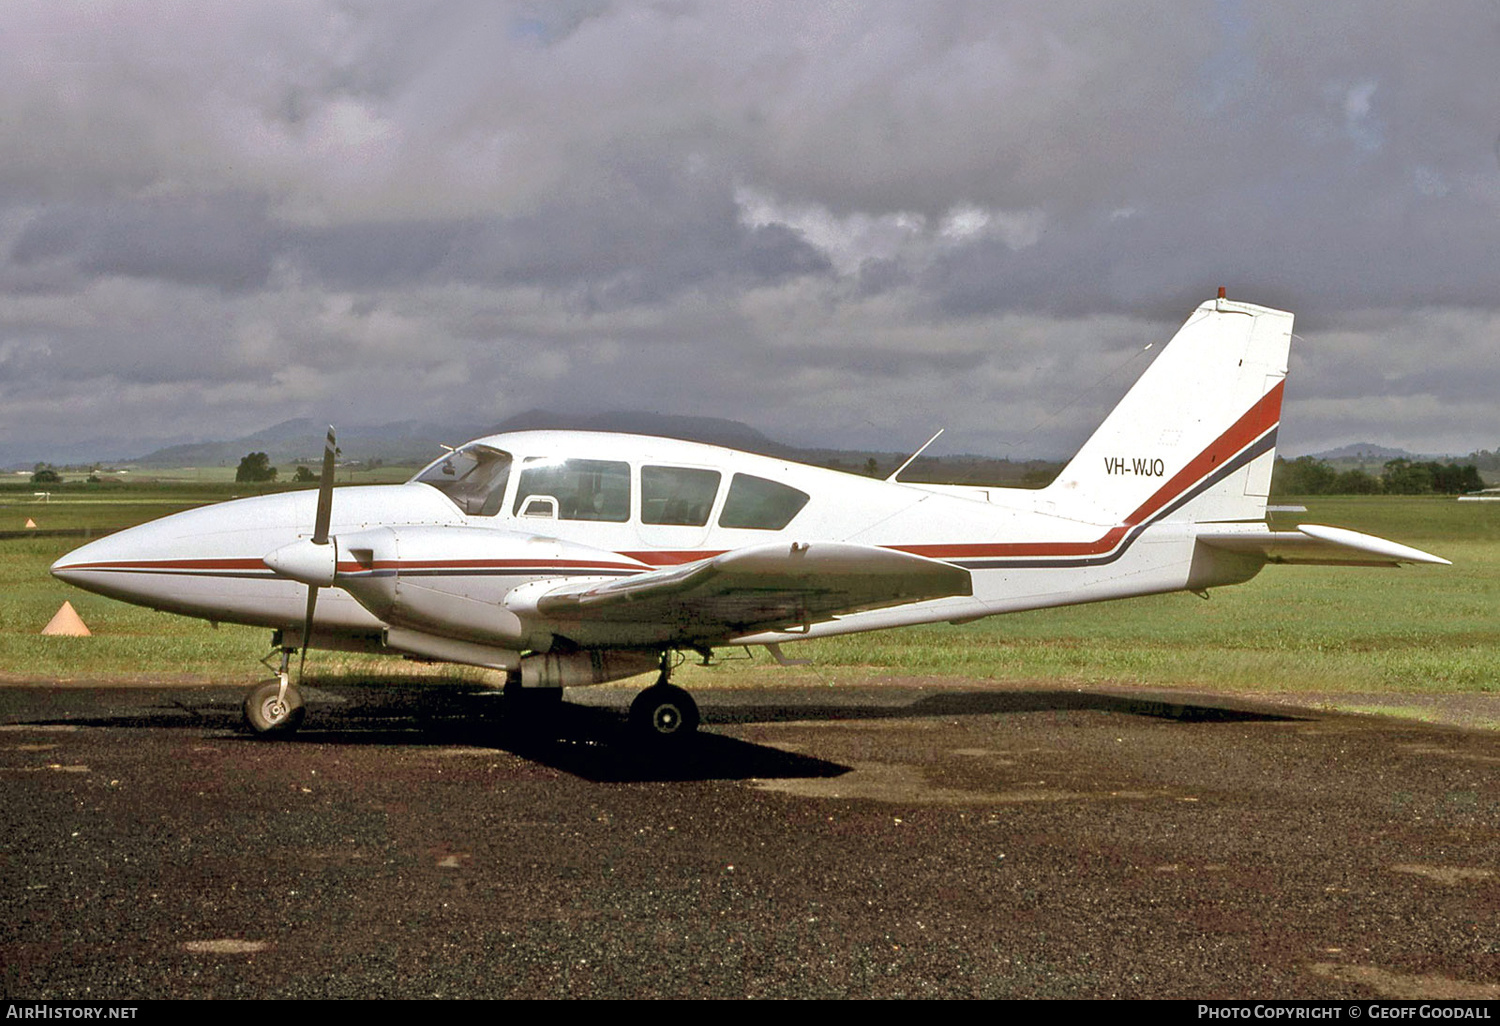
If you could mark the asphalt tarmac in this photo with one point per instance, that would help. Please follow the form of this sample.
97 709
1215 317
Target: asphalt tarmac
897 840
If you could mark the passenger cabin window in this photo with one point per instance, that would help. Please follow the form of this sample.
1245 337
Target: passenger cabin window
759 504
579 489
680 496
474 477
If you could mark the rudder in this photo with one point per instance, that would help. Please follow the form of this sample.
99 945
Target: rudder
1195 437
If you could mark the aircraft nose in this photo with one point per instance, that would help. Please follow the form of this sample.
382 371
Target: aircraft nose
226 539
192 562
74 566
66 568
92 566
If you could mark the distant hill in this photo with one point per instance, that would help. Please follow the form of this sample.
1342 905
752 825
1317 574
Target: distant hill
1366 451
301 441
412 443
416 442
711 430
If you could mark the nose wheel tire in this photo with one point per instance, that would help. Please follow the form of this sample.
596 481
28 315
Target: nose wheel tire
663 714
270 713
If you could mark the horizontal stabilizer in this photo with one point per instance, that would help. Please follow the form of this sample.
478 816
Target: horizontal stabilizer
1316 544
773 586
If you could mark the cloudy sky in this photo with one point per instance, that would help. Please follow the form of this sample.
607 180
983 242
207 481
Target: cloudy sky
843 223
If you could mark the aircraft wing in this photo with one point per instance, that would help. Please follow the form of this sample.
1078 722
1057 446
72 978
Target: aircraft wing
1316 544
775 586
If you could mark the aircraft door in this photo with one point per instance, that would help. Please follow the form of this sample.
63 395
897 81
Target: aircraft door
677 504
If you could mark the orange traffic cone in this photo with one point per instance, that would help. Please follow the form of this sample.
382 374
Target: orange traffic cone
30 522
67 622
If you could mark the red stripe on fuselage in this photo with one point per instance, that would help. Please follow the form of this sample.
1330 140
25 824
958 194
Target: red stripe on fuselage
1259 419
173 564
352 567
673 557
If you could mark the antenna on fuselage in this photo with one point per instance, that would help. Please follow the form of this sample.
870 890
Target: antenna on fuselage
914 455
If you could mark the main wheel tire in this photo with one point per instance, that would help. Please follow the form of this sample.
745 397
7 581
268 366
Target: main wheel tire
663 714
267 716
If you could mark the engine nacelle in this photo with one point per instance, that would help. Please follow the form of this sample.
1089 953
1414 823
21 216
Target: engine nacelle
579 669
452 581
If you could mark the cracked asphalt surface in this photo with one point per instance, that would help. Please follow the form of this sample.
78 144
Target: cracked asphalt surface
890 840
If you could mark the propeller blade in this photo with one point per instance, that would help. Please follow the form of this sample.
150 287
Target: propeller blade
325 495
320 537
307 624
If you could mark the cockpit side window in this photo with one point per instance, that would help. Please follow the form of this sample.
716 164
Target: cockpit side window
581 489
679 496
759 504
474 477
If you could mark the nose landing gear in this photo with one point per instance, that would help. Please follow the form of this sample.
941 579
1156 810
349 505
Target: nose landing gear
274 708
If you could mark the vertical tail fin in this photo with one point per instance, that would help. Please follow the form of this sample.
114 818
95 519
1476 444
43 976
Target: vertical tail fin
1195 438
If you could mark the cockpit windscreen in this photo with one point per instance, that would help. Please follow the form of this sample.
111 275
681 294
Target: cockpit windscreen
474 477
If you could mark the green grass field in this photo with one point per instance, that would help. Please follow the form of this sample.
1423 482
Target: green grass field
137 477
1292 629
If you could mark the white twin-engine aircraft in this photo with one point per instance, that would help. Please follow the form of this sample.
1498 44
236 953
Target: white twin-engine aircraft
571 558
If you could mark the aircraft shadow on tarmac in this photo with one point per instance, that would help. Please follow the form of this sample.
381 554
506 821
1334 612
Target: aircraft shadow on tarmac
993 703
593 742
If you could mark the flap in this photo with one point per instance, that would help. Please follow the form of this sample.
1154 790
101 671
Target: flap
762 587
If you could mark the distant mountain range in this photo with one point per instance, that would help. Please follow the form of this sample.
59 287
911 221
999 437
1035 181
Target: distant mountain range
1368 452
416 442
412 443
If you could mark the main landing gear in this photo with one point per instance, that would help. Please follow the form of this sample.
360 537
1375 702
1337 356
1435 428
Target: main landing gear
663 713
274 708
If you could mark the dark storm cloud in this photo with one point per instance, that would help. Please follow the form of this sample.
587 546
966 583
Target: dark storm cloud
595 253
374 255
635 254
881 363
220 242
792 214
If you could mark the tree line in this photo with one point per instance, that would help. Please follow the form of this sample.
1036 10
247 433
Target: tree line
1308 475
256 468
